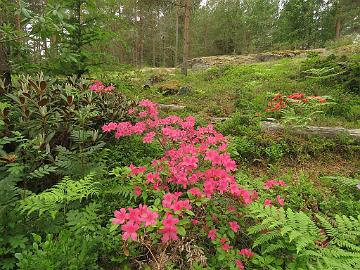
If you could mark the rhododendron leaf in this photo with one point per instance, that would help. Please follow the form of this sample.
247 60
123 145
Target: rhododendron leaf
181 231
198 204
113 227
157 202
189 212
231 234
150 229
221 257
184 221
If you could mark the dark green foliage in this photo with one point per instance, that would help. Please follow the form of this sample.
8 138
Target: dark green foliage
81 31
59 126
43 255
333 69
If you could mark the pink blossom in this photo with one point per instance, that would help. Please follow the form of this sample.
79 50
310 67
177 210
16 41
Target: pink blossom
194 222
247 252
280 200
109 88
131 111
223 240
267 202
212 234
136 170
134 214
271 183
139 128
195 161
234 226
180 205
129 230
226 247
120 216
209 187
109 127
149 217
151 177
100 88
169 233
195 192
143 114
146 103
239 264
169 220
137 190
149 137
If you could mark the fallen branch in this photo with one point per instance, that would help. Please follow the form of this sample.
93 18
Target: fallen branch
327 132
171 107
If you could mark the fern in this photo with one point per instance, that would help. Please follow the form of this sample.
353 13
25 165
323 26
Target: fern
9 193
42 171
77 163
327 245
59 196
344 181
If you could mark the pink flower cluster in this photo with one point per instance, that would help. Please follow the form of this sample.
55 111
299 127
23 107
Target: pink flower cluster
280 201
169 232
171 201
100 88
134 218
187 147
271 183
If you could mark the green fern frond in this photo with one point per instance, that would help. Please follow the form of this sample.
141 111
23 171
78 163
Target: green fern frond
343 181
266 238
43 171
60 195
125 191
274 247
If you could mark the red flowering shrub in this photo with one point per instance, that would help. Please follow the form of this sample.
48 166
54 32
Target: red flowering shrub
296 108
195 172
280 101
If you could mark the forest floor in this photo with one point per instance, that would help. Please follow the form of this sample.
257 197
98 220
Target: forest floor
220 91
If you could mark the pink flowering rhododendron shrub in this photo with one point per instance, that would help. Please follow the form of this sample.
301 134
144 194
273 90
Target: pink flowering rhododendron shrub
100 88
110 103
183 195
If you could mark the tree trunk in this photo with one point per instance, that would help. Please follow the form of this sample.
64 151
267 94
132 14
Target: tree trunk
338 28
5 71
17 18
53 47
141 35
154 51
176 34
184 69
5 68
163 51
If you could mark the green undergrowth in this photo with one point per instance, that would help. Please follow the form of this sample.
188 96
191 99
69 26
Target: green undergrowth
221 91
